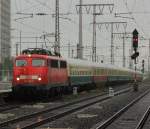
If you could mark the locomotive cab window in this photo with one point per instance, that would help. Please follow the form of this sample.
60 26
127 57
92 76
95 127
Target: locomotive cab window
38 62
21 63
63 64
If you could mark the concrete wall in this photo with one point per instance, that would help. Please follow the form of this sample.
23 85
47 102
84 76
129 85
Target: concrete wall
5 25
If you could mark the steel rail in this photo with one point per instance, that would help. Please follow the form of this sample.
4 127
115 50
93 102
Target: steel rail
143 119
7 107
44 111
36 124
60 115
120 112
11 106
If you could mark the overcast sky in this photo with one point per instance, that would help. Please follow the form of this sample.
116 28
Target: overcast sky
39 25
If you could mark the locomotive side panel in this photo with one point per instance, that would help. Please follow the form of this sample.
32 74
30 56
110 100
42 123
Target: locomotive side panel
58 75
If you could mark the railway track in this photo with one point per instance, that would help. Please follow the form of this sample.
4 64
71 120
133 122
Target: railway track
39 118
10 106
110 123
6 107
143 119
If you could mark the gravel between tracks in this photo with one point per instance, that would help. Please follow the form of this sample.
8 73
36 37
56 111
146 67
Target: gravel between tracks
94 114
28 109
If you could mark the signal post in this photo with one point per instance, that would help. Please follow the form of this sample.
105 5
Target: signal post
134 56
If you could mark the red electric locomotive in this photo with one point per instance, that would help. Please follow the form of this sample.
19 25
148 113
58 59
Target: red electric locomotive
36 72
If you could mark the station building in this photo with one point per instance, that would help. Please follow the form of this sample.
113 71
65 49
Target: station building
5 34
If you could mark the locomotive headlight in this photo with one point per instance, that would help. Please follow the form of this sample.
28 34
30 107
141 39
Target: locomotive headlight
39 78
18 78
29 55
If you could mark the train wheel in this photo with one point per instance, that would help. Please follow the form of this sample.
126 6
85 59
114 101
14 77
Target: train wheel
45 94
59 91
65 89
52 93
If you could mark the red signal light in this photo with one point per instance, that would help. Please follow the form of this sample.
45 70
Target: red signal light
135 41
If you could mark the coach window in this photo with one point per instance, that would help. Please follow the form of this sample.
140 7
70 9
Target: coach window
63 64
102 71
54 63
21 63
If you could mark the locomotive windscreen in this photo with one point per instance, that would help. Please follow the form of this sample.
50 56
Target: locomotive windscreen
38 62
21 63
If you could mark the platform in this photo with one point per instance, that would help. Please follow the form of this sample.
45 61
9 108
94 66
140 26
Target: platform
5 87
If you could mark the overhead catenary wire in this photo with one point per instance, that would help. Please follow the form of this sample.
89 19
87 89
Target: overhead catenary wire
70 13
39 29
131 14
134 5
16 6
44 4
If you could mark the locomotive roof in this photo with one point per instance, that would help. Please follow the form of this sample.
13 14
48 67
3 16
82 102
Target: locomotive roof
39 56
79 62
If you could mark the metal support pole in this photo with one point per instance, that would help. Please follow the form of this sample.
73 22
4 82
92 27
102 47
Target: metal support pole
124 58
149 59
72 53
1 52
135 85
135 69
20 41
94 35
124 49
112 45
131 62
36 41
69 50
57 33
94 23
16 49
80 54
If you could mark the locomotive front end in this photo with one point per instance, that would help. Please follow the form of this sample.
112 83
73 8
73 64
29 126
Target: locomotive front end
29 74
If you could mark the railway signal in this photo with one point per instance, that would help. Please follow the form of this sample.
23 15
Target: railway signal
143 65
135 39
135 44
135 55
